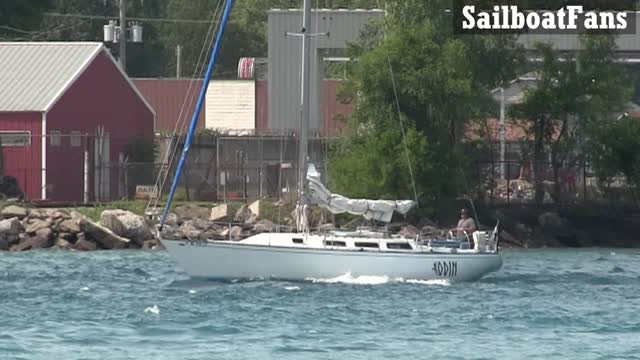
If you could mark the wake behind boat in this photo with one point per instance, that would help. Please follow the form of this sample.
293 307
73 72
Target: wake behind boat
305 254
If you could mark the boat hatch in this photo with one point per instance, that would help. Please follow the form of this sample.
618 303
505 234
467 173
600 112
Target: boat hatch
367 245
297 240
399 246
335 243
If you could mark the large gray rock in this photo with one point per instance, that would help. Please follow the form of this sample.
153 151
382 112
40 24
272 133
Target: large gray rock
215 235
31 226
12 211
219 213
192 212
172 220
255 208
189 230
409 231
431 231
263 226
126 224
4 244
554 225
76 215
103 236
42 239
10 230
507 239
235 233
244 215
203 225
44 214
83 244
61 243
71 226
550 220
10 227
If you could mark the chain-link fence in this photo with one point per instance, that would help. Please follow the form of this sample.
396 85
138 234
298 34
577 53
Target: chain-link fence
518 182
77 168
223 167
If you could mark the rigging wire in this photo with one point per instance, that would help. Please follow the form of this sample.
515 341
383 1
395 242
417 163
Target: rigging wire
397 101
187 104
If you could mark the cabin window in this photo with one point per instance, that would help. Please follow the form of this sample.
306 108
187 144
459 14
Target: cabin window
76 139
367 245
297 240
399 246
15 138
55 138
334 243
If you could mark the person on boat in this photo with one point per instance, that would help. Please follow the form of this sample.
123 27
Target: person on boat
466 226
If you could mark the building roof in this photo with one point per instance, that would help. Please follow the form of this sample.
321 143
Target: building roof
34 75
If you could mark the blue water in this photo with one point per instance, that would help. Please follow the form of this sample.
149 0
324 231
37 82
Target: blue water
551 304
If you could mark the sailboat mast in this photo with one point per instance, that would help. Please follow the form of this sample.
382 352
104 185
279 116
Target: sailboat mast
194 120
304 107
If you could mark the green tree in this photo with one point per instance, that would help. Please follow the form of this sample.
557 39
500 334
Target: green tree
19 20
572 103
442 82
618 153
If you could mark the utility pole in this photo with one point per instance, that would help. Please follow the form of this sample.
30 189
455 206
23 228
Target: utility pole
178 61
122 56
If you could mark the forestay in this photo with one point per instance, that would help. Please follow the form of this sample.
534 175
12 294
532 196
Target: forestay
380 210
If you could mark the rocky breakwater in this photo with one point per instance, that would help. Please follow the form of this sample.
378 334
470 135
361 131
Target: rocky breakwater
218 223
24 229
573 227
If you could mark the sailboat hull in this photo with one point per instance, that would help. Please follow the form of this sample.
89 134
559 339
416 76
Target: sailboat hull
226 260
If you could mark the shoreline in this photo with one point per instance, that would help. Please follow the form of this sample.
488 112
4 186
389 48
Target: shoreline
23 228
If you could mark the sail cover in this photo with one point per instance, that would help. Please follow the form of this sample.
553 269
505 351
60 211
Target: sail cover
380 210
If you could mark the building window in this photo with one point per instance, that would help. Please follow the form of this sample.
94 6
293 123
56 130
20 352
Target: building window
55 138
15 138
76 139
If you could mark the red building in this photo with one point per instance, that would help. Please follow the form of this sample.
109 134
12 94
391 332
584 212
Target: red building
174 101
67 114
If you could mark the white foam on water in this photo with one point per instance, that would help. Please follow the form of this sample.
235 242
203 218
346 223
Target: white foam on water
349 279
292 288
86 288
438 282
192 291
376 280
153 310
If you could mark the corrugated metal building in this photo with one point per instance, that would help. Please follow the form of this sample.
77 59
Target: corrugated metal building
172 99
54 97
285 59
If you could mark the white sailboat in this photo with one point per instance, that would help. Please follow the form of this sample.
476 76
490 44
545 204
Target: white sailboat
310 255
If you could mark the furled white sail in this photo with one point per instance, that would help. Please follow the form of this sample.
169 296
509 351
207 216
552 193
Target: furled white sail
380 210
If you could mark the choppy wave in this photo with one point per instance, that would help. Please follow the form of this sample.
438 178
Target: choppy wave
348 278
85 305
